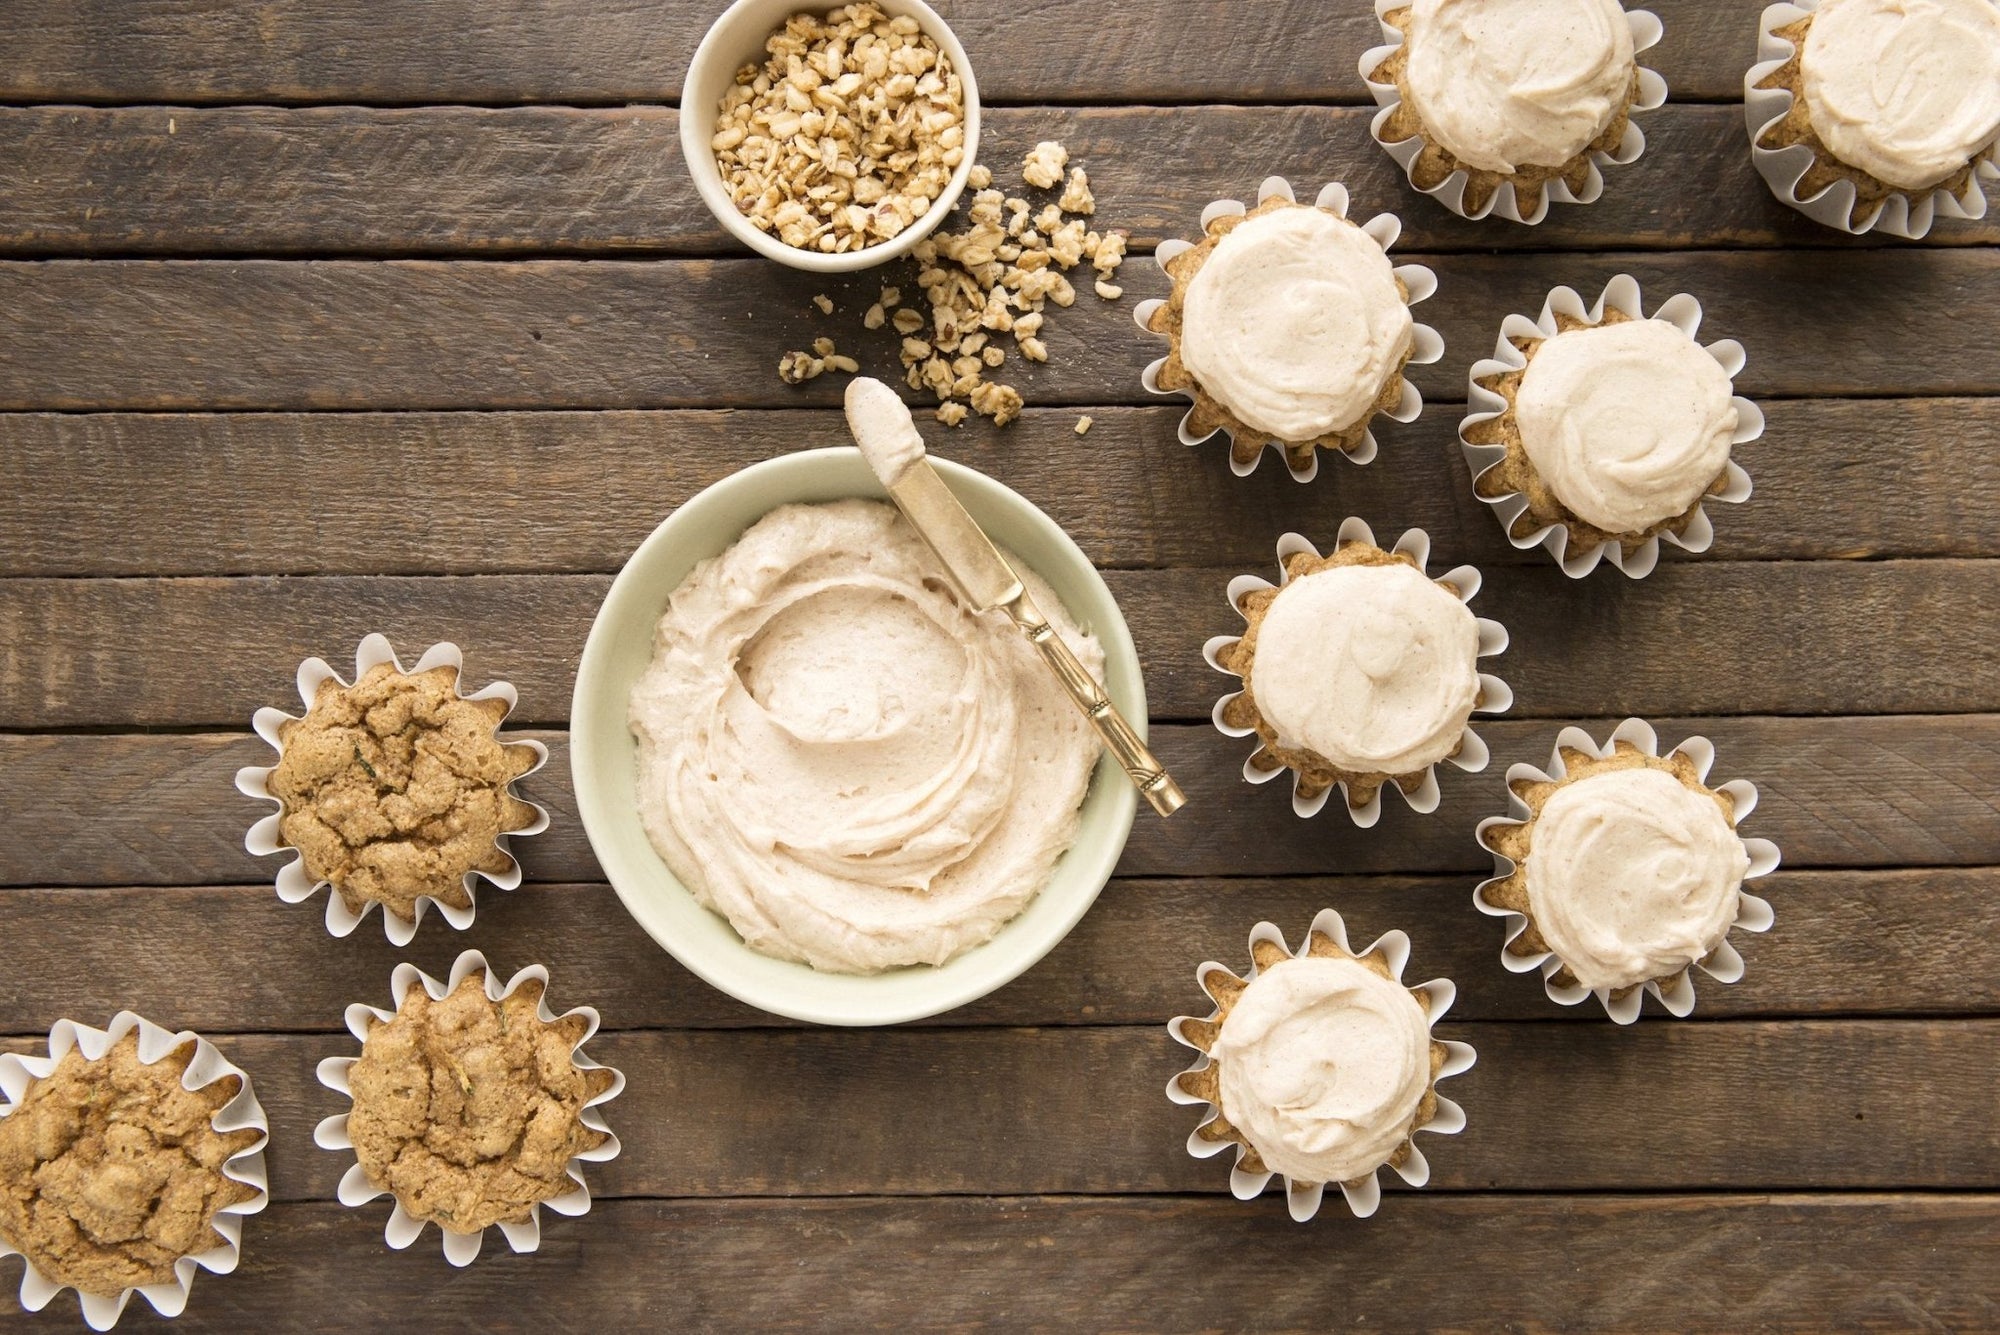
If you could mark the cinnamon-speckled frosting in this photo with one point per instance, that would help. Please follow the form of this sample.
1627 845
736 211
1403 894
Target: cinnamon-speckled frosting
1628 423
1905 90
1295 323
1323 1064
1373 667
1504 84
1632 875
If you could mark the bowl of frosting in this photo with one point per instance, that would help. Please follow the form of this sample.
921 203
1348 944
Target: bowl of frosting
819 780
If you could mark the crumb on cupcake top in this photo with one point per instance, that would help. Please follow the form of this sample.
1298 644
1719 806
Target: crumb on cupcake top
111 1171
468 1109
394 788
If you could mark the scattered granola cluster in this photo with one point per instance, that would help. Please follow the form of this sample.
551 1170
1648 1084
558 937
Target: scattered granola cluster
795 368
846 135
994 278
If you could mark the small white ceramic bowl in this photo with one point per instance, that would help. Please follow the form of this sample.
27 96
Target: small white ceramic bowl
737 39
604 765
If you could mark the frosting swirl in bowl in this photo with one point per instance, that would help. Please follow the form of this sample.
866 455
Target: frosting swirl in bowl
1323 1064
1627 423
842 759
1632 875
1906 90
1373 667
1295 323
1505 84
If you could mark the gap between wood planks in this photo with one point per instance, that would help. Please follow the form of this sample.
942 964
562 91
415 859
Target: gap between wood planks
1933 934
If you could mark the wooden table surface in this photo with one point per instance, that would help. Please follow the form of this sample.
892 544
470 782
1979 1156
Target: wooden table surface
320 317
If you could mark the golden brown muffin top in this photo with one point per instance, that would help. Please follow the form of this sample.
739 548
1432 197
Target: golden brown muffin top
395 788
469 1110
110 1171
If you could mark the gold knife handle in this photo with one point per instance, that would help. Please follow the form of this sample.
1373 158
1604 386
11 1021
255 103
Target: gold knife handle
1139 764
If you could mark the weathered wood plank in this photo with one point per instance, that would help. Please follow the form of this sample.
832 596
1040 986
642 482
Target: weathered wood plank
1836 792
562 492
637 50
1692 1264
1748 1104
623 334
573 181
1880 942
1721 637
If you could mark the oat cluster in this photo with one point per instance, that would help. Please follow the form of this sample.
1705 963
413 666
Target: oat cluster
992 280
468 1109
846 135
394 788
110 1171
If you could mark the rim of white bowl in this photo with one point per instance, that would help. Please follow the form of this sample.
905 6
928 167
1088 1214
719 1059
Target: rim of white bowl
737 37
701 940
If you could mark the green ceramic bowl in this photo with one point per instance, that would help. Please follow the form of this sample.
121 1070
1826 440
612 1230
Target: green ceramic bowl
605 770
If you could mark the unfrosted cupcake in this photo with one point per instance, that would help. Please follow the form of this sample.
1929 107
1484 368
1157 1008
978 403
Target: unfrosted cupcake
395 790
1320 1066
1289 328
1893 99
473 1104
128 1157
1359 671
1505 104
1620 869
1608 426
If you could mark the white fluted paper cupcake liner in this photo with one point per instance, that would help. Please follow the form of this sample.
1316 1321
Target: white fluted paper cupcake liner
1427 344
1495 697
1483 404
1363 1195
1783 168
356 1188
1676 994
294 883
1450 192
17 1073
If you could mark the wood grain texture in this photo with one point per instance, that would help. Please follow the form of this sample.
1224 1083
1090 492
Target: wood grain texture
1768 637
567 492
131 809
636 51
343 334
1693 1264
1922 941
570 181
1742 1105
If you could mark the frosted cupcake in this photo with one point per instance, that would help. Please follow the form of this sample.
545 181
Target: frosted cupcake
1890 109
1290 329
1600 432
1503 105
1359 671
1620 869
1320 1066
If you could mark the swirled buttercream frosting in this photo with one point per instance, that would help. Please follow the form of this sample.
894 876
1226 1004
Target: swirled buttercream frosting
1507 84
841 758
1295 323
1906 90
1627 423
1323 1064
1372 667
1632 875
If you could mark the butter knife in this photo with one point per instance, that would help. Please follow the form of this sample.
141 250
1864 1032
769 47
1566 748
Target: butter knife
888 438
